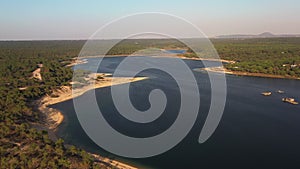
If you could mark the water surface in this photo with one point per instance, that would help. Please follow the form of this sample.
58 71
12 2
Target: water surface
255 131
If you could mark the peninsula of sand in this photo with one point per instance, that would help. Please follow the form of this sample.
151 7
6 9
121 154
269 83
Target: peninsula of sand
53 117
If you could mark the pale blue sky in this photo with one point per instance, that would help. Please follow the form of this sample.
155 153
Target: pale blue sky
78 19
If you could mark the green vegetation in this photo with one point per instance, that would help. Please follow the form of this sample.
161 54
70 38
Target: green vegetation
22 146
128 46
276 56
132 45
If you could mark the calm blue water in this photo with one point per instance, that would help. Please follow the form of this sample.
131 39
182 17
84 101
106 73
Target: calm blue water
255 131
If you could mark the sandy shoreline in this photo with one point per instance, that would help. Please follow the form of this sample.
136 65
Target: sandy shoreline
237 73
206 59
54 117
162 55
76 61
111 162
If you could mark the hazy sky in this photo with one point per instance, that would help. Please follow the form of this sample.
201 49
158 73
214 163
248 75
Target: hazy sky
78 19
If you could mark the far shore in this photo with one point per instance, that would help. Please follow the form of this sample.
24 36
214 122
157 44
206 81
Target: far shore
214 69
162 55
211 69
238 73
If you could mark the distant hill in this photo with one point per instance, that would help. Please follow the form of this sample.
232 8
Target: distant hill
262 35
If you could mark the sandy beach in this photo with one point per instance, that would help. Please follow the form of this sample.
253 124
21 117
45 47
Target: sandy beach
55 117
206 59
111 162
76 61
168 55
238 73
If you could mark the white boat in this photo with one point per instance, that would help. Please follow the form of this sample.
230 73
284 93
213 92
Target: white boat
266 93
290 100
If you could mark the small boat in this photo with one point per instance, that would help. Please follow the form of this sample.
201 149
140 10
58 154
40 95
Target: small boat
266 93
280 91
290 100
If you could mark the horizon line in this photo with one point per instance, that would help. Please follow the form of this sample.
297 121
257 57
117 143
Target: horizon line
222 36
